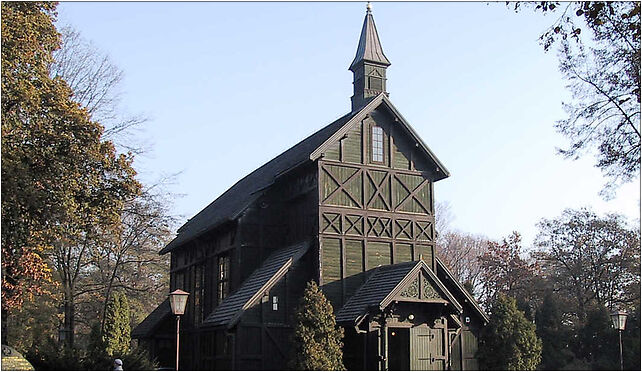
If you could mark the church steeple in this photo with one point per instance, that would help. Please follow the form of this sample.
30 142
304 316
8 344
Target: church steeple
369 65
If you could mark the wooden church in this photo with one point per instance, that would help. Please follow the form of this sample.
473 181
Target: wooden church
351 207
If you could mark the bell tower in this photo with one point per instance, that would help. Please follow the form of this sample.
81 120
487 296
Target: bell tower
369 65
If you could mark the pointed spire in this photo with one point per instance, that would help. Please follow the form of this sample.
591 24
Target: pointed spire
369 48
369 65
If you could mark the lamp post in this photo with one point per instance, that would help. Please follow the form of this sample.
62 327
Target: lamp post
618 318
177 301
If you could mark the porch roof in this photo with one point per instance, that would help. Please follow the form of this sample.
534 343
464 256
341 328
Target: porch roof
259 282
383 285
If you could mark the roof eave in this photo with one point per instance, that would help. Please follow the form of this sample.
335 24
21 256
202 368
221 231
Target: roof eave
421 264
441 170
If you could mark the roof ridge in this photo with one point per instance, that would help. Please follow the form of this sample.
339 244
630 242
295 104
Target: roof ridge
233 201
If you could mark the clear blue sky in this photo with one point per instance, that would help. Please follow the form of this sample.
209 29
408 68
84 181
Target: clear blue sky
228 86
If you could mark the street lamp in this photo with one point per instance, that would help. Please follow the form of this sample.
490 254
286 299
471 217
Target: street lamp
618 318
177 301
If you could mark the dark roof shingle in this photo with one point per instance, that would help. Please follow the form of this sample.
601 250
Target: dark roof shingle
238 197
383 285
261 280
147 326
374 290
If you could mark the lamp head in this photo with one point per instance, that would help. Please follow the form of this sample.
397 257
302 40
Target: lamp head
177 301
618 318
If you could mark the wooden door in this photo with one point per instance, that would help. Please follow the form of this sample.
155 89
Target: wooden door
427 349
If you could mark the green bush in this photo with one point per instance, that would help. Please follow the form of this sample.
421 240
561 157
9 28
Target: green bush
509 341
317 339
116 335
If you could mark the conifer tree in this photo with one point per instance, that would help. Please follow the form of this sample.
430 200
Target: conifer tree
509 341
317 339
117 331
555 335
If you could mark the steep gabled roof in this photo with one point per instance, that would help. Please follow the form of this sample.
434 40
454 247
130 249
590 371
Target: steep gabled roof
147 326
440 170
237 198
381 288
251 291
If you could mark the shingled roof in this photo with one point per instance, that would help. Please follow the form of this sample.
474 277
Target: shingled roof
382 286
147 326
261 280
237 198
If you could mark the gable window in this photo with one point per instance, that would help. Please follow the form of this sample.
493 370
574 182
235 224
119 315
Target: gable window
377 144
223 277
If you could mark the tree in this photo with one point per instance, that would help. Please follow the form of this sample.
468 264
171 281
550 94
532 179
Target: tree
461 253
597 342
590 258
509 341
443 217
555 332
316 341
60 181
504 271
122 258
130 260
95 81
116 332
603 74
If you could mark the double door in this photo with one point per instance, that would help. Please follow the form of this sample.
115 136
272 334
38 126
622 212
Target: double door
418 348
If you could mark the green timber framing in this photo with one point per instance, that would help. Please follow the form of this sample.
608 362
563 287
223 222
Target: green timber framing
327 209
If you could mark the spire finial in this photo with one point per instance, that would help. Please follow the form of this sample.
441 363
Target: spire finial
368 8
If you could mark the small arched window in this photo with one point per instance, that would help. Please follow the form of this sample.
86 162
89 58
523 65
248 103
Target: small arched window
377 144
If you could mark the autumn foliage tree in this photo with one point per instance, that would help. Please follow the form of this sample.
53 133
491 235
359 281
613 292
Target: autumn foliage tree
62 184
316 342
505 271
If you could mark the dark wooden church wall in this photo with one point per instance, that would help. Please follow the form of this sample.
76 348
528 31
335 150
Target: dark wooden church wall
194 268
372 213
284 215
263 333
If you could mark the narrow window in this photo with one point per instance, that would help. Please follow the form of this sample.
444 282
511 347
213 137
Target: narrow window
223 277
198 293
275 303
377 144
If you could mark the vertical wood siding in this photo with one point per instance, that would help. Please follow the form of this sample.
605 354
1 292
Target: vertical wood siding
371 213
403 252
378 254
331 270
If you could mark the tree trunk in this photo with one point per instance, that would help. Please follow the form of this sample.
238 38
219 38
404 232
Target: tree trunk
69 322
5 328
